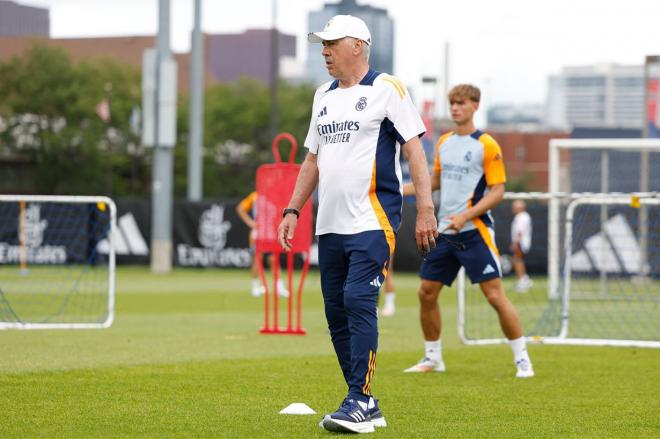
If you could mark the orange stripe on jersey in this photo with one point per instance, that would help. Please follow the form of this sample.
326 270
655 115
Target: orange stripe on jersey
437 166
397 85
493 161
247 202
383 220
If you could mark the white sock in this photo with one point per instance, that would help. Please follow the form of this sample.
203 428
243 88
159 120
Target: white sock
255 284
389 299
519 348
433 350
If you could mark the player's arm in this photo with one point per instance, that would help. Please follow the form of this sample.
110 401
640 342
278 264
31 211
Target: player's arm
241 212
308 178
494 196
426 227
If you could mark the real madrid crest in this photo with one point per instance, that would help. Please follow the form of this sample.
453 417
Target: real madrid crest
361 103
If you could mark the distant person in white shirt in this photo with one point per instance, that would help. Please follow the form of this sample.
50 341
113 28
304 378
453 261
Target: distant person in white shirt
521 242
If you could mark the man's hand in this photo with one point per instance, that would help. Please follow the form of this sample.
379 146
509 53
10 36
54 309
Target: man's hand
426 230
285 231
456 222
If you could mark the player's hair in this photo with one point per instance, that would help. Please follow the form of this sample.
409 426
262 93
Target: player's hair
465 91
519 204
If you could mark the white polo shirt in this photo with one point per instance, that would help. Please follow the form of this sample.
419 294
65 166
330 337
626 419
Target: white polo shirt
521 230
357 134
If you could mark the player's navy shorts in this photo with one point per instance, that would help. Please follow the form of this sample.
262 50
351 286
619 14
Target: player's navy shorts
479 257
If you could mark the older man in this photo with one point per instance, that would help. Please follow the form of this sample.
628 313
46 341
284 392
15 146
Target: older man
360 124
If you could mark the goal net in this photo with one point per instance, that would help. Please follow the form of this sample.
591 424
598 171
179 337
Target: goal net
57 262
597 234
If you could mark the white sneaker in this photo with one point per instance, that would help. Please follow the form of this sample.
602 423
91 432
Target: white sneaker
388 310
258 291
281 289
524 368
523 285
375 414
427 365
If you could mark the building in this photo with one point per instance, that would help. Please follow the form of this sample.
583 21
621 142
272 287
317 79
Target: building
248 54
381 57
128 50
526 157
19 20
601 96
227 56
523 116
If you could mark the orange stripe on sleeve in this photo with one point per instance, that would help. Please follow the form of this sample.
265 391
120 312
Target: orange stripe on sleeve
400 88
437 164
493 161
247 202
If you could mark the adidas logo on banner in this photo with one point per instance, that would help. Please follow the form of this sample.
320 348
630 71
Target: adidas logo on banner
488 269
613 250
375 283
127 238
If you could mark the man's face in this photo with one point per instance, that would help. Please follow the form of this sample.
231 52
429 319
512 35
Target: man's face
462 109
338 56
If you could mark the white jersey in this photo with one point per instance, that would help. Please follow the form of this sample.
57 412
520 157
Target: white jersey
357 134
521 230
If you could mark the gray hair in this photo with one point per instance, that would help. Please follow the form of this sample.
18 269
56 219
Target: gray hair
366 49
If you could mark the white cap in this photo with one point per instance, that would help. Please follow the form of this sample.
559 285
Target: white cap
341 26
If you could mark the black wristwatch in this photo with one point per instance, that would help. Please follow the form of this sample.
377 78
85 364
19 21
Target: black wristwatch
289 210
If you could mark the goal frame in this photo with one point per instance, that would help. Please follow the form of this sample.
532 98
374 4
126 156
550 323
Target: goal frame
558 200
563 294
75 199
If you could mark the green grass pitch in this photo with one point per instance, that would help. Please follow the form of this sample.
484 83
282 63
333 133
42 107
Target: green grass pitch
184 358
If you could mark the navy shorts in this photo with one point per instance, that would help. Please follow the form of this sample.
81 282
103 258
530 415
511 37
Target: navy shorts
479 257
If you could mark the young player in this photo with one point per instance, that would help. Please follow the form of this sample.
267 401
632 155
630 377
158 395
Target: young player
469 170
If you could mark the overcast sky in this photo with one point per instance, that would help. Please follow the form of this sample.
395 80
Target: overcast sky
507 47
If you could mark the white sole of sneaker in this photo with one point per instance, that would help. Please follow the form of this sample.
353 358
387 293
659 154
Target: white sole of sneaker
379 423
339 426
524 374
424 369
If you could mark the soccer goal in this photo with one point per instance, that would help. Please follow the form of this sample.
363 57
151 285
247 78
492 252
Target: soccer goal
602 223
57 262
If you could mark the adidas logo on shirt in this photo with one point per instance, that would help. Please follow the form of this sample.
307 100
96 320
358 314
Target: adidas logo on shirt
323 112
375 283
488 269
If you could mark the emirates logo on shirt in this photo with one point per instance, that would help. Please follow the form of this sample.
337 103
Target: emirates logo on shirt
361 103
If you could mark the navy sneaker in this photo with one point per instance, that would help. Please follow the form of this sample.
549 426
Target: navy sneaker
352 417
375 414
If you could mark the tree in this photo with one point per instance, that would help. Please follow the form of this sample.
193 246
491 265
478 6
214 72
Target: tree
49 108
48 116
237 133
